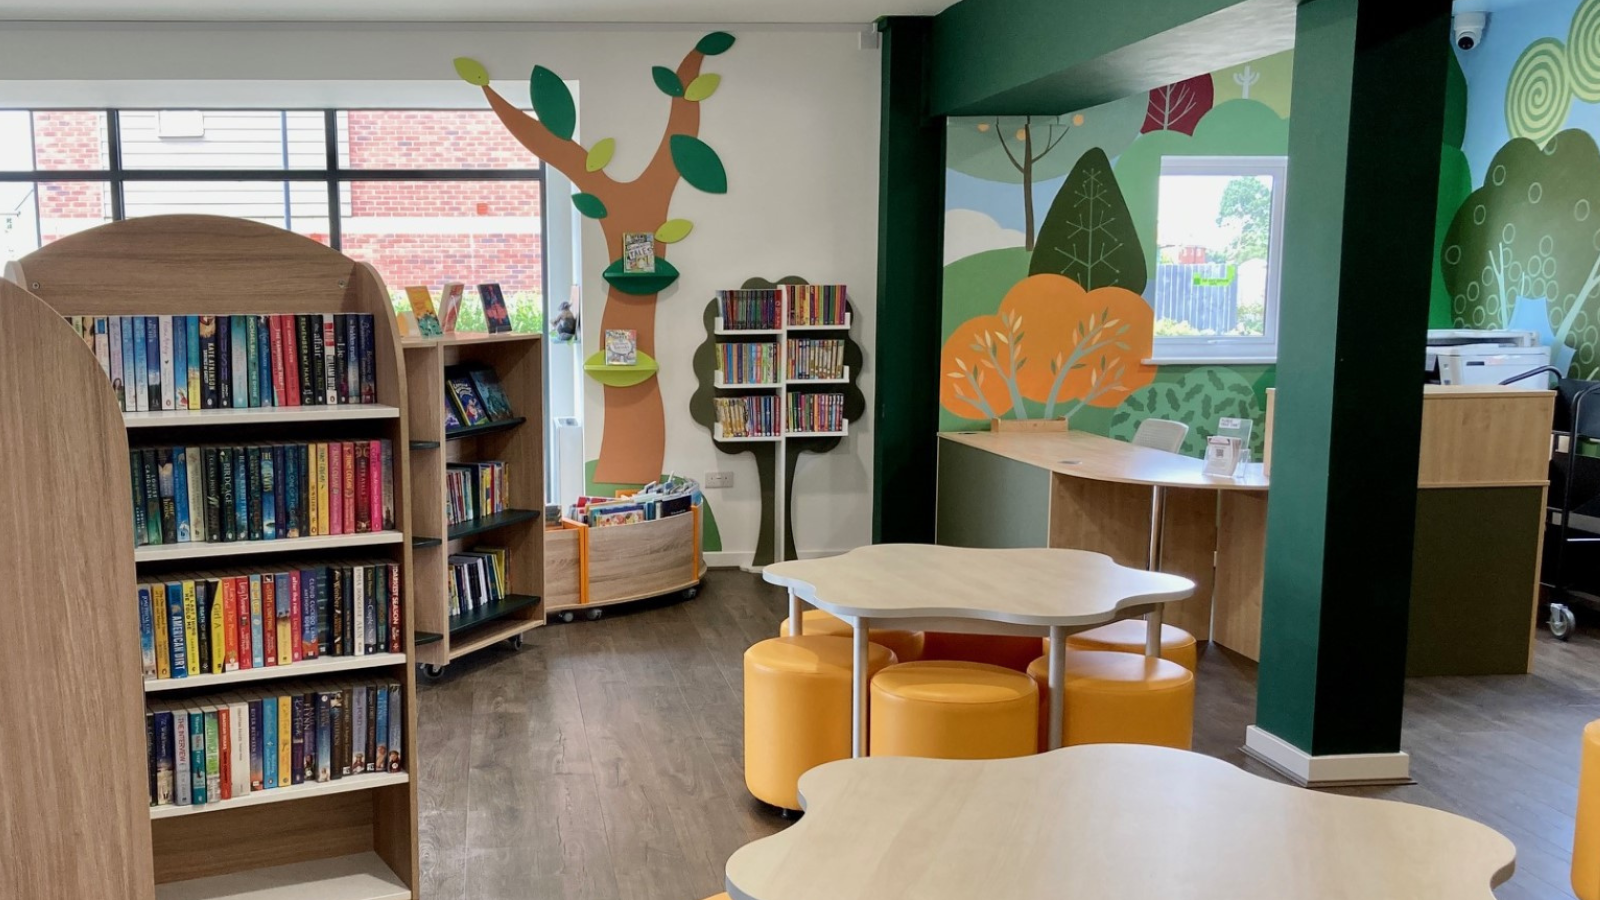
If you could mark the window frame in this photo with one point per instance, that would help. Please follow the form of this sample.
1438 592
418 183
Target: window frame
1235 349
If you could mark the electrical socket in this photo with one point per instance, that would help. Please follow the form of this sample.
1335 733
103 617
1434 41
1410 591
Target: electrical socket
719 479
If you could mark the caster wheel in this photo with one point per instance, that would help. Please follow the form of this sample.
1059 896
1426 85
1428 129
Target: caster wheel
567 616
1562 621
432 671
691 593
515 642
594 615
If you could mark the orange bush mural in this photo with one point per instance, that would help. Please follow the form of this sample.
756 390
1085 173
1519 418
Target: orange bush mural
1051 342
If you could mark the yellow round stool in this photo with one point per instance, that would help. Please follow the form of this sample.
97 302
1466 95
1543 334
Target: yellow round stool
720 897
1586 838
953 710
1121 698
906 645
1007 651
797 710
1127 636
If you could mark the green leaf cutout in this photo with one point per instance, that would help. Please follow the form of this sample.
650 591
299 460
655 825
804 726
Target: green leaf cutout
667 80
472 71
715 43
698 164
702 87
600 154
674 230
589 205
552 102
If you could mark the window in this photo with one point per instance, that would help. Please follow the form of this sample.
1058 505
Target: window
1219 230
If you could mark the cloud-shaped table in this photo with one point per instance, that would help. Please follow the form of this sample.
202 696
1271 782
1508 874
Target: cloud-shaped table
1107 821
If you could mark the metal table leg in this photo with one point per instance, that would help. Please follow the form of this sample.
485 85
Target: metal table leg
795 626
1058 683
1158 525
858 701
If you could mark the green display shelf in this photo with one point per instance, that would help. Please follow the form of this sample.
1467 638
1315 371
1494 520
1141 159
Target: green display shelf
641 283
490 612
620 376
468 431
427 637
490 523
424 542
424 445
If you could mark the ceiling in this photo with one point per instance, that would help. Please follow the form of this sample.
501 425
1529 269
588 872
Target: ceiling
731 12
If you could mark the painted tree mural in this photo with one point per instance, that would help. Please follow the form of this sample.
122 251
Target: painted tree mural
633 454
1052 343
1532 231
1181 105
1088 235
1198 400
702 409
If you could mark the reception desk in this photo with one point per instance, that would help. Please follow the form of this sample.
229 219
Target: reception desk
1480 518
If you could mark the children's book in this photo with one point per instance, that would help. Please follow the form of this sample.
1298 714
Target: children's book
638 252
622 347
450 305
494 308
491 393
421 300
451 418
468 404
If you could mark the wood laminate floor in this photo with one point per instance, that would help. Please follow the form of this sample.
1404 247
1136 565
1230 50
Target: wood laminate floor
603 760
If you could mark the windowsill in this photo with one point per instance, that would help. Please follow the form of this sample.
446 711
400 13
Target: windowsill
1181 360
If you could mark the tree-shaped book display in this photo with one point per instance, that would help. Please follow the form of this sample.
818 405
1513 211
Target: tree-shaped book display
634 442
782 453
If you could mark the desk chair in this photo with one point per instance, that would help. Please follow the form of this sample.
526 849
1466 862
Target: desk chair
1161 434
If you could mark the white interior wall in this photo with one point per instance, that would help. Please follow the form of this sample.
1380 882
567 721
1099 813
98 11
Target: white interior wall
795 122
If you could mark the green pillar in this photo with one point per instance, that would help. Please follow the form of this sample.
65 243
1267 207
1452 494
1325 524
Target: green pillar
1369 97
910 276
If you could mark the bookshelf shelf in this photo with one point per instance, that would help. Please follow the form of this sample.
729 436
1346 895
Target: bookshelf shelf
424 445
319 666
285 794
806 382
721 385
271 415
720 331
848 323
818 434
428 637
490 523
160 552
360 876
717 435
423 543
491 612
472 431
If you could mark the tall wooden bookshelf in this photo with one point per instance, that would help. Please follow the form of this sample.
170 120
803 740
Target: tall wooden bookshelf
351 839
518 361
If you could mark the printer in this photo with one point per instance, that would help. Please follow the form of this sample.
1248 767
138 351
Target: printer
1468 356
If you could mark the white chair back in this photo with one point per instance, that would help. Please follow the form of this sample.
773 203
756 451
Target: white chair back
1161 434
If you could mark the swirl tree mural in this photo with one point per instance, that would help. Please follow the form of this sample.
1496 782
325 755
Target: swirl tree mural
1539 95
633 454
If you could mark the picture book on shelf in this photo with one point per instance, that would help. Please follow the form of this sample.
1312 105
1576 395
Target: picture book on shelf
450 305
494 308
421 300
622 347
451 420
638 252
491 393
468 405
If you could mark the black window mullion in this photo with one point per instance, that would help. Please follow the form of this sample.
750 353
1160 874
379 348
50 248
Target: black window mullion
330 131
119 203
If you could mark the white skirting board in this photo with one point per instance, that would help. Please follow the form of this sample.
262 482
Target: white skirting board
1326 771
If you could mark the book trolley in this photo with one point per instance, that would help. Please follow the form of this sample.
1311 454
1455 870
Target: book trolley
518 362
592 568
353 838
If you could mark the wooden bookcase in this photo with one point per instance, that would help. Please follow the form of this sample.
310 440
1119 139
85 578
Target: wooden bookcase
518 360
354 839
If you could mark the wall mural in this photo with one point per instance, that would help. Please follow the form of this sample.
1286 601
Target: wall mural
633 445
1050 318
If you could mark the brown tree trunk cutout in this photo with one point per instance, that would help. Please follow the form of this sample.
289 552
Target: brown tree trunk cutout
633 454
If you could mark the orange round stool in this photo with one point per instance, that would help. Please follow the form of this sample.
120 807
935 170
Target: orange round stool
944 709
1127 636
1586 837
1121 698
1004 650
797 710
906 645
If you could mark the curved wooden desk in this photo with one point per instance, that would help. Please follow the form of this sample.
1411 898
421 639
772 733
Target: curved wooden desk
1097 458
925 586
1106 820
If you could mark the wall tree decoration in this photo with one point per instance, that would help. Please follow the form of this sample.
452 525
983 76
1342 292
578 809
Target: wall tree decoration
1088 234
631 454
1180 106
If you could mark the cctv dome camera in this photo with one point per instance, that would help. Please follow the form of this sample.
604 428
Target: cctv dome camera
1468 29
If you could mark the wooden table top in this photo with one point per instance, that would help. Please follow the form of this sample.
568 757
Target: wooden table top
1035 587
1091 456
1107 821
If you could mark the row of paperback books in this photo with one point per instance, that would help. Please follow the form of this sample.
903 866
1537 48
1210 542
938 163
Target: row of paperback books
209 623
477 579
228 747
815 413
754 416
815 304
815 359
748 363
475 490
234 362
473 396
749 310
261 492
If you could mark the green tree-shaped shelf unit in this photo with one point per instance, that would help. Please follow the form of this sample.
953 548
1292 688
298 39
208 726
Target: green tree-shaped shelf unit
776 458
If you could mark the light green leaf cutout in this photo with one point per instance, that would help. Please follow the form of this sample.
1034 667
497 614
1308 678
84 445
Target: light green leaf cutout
699 164
472 71
715 43
667 80
620 376
600 154
674 230
589 205
552 102
702 87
